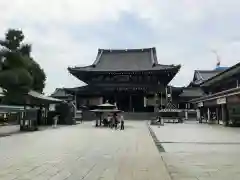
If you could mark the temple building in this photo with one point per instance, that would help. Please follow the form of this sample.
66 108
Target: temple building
130 78
60 93
194 90
220 104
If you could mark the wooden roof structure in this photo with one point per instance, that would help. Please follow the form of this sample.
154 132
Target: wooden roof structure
229 74
38 98
223 75
60 93
201 76
125 61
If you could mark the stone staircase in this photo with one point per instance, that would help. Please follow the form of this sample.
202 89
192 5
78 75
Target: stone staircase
139 115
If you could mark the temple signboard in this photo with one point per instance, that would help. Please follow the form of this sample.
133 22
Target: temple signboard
221 101
200 104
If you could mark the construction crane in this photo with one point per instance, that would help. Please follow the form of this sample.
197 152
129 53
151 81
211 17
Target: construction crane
218 58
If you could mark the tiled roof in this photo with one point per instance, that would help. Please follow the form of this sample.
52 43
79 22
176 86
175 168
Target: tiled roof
203 75
125 60
208 74
60 92
42 97
224 74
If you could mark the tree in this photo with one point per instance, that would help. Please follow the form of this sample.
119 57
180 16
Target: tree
34 69
19 73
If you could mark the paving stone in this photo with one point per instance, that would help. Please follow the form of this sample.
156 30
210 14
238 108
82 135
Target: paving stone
8 177
200 151
83 152
62 175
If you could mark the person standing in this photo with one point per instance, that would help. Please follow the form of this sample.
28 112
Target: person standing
109 120
115 121
55 120
122 122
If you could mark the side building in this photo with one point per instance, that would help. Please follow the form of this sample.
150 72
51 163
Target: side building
194 90
60 93
132 79
221 102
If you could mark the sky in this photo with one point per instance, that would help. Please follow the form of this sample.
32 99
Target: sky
67 33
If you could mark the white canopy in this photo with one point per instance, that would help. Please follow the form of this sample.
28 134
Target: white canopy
40 96
106 105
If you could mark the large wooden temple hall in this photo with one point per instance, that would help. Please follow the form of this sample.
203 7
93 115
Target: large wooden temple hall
131 78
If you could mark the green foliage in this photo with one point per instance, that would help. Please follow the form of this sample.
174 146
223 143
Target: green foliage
13 39
38 75
19 73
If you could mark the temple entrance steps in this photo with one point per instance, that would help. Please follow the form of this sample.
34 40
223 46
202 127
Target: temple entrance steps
139 115
89 116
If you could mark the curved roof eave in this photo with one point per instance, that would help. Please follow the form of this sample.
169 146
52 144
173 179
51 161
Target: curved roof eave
157 67
217 77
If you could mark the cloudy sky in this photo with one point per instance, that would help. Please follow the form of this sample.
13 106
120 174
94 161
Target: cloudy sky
69 32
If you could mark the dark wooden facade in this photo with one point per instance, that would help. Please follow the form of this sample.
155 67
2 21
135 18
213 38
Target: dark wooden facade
132 79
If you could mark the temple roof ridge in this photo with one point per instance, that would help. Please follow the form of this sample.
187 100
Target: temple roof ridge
142 59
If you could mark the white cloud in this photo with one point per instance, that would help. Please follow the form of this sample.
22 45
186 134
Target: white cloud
187 29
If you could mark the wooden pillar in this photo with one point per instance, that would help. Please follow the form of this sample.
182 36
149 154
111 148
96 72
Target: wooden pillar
186 114
171 93
224 118
115 100
166 97
161 100
130 103
198 114
98 118
208 115
156 103
75 106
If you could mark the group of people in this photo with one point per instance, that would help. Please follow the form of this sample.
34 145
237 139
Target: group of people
110 121
113 121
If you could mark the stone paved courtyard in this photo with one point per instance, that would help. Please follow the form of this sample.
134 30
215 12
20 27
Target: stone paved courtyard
82 152
200 151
